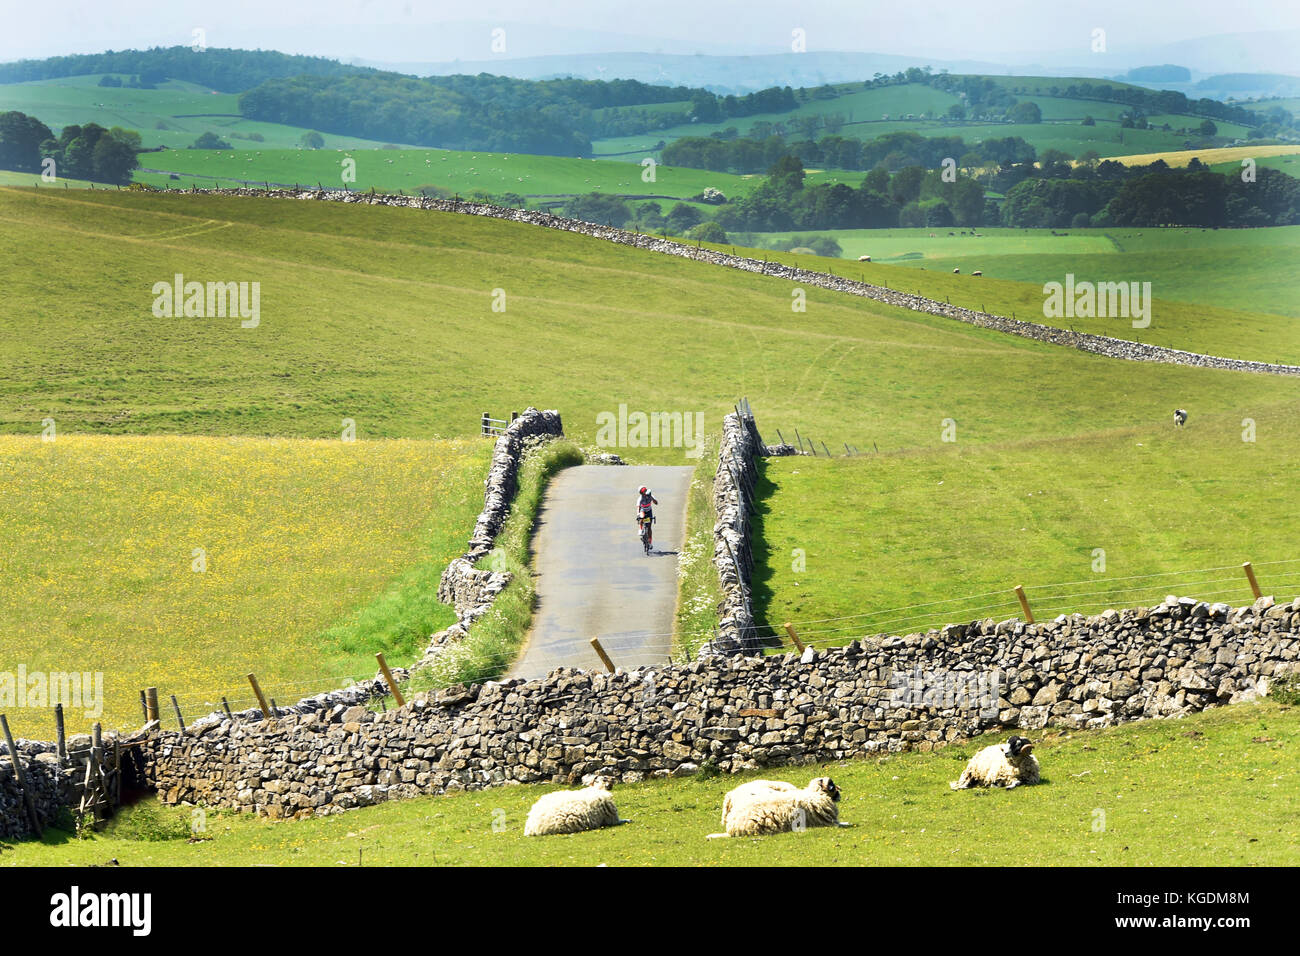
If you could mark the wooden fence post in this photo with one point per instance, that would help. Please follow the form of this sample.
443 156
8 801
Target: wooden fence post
1250 576
179 719
1024 604
789 629
151 704
485 423
609 665
388 679
62 736
20 776
827 450
226 706
261 700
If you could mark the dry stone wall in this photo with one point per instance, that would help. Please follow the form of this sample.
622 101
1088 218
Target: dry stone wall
881 694
1099 344
468 589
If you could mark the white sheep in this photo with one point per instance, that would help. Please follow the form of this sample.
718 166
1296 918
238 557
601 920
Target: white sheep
864 258
572 811
750 791
776 807
1002 765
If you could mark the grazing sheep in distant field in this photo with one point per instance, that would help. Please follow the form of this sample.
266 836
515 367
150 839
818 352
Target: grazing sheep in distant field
775 809
1002 765
956 271
1180 417
977 273
864 258
572 811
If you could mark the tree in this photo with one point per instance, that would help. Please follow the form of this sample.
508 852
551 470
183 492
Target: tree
600 209
1208 128
211 141
906 184
313 140
708 232
21 137
1088 121
113 160
681 217
1026 111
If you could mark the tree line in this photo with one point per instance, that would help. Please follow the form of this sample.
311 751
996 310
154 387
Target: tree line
231 71
78 152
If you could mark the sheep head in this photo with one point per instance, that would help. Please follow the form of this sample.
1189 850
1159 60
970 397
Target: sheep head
825 785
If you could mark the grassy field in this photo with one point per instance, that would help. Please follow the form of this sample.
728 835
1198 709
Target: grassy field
385 315
421 286
186 562
1225 156
1156 793
458 172
868 114
899 542
173 115
1226 292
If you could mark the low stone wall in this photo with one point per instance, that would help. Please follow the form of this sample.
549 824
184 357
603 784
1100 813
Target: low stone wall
881 694
470 590
1099 344
48 784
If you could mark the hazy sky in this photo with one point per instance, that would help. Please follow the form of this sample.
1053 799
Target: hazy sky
395 30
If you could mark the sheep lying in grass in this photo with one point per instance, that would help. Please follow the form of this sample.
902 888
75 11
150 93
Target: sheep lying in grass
750 791
572 811
1002 765
771 806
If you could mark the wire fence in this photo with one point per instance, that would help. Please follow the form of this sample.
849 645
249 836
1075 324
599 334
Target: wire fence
628 649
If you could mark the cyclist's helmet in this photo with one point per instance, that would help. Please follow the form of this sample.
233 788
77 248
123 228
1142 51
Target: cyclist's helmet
644 489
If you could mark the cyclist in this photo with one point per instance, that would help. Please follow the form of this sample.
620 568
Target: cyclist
645 507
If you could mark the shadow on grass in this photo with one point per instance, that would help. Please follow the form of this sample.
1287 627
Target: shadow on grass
764 572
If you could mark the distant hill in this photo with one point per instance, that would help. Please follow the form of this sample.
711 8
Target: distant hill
230 71
721 74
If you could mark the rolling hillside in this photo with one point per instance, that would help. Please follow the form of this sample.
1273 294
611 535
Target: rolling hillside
385 316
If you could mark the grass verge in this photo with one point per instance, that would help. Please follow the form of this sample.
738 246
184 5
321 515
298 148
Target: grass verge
698 590
495 639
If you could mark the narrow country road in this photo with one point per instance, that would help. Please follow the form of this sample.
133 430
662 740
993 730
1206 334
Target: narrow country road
594 579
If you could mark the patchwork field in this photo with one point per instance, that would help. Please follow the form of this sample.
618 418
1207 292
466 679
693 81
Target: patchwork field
186 562
1166 795
864 113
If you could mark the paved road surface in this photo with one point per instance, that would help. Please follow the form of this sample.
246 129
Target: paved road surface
594 579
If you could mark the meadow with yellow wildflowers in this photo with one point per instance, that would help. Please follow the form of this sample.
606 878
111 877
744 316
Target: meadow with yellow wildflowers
187 562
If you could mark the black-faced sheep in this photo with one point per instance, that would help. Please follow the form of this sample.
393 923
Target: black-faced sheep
750 791
1180 417
1002 765
764 806
572 811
